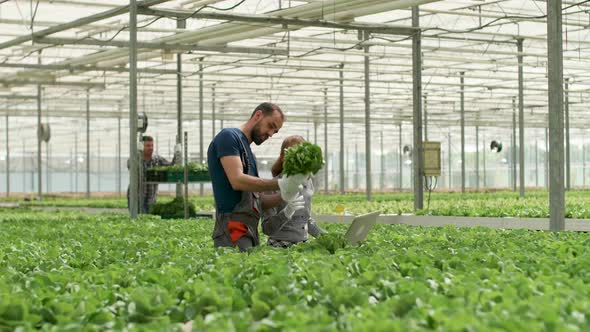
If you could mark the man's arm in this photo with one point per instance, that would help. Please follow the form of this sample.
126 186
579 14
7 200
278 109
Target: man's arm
232 165
161 161
270 200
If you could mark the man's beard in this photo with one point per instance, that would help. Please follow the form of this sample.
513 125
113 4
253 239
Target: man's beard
257 136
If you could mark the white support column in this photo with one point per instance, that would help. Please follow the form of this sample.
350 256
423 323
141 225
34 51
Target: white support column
70 171
547 158
326 159
47 172
356 166
514 176
39 166
536 162
315 129
521 117
568 165
213 131
24 168
401 160
119 155
485 183
382 168
201 148
555 74
477 158
450 162
417 160
76 161
463 161
368 180
583 162
133 159
98 165
88 143
341 86
425 106
180 24
7 156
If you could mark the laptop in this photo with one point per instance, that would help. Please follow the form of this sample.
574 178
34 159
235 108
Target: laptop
360 227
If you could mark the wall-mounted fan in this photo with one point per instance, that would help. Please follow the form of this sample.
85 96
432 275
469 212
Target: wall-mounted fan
407 150
496 146
44 132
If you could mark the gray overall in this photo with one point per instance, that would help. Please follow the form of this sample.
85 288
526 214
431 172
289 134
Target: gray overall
229 230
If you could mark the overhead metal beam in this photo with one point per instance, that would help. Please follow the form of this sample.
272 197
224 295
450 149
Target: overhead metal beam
82 85
19 97
164 46
283 21
79 68
77 23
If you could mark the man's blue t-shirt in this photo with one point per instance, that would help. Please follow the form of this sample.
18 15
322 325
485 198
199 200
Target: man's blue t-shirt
228 142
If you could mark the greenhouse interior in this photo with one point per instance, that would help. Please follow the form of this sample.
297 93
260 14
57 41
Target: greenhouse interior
294 165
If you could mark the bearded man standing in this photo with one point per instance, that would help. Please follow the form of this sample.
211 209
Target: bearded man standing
236 186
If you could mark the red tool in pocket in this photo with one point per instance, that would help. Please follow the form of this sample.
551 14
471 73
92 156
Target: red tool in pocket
236 230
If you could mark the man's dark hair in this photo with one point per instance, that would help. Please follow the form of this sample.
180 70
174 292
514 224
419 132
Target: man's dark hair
267 110
147 139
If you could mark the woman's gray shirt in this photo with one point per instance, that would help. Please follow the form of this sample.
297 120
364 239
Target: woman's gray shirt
278 227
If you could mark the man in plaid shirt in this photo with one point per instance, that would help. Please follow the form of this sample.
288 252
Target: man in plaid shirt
150 192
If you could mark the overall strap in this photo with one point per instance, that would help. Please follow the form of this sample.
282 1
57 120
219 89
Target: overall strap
245 157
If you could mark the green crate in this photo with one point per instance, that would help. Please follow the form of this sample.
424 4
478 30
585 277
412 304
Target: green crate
155 176
192 177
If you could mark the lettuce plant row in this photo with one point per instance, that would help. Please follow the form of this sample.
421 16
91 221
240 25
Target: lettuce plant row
71 271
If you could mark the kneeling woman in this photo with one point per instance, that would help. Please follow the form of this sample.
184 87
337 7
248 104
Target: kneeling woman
284 225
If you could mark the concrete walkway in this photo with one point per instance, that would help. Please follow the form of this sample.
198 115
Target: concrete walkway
580 225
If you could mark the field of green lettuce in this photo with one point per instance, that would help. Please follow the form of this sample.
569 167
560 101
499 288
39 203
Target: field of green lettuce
68 271
497 204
